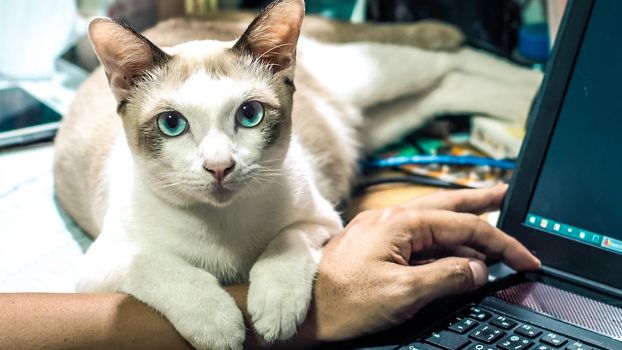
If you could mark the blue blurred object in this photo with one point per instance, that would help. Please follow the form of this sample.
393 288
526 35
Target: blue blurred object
439 159
533 41
338 9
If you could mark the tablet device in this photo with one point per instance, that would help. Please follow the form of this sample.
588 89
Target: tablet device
24 119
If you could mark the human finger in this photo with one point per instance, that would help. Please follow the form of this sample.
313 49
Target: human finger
448 276
439 252
467 201
452 229
466 252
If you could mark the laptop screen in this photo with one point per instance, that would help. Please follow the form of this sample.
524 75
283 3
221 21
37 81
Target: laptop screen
579 189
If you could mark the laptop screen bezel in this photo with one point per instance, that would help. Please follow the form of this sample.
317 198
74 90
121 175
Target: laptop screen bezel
556 252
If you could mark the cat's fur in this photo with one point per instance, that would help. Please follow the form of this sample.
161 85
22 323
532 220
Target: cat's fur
168 234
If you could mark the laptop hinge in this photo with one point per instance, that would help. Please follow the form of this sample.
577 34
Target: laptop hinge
582 281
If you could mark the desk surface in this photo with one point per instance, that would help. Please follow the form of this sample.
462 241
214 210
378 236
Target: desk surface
386 195
40 248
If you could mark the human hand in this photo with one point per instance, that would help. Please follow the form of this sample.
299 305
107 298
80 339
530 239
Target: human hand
367 281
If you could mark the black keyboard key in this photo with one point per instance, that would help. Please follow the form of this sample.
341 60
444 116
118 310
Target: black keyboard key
578 346
528 331
478 346
553 339
418 346
515 342
543 347
462 326
447 340
478 314
503 322
487 334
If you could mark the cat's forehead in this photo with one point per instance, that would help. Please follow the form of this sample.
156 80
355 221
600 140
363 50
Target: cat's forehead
217 60
204 75
202 89
207 55
200 49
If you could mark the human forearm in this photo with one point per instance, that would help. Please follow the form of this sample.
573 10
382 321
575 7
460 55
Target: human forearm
93 321
103 321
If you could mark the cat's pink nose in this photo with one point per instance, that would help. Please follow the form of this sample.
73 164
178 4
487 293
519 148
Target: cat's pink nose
220 170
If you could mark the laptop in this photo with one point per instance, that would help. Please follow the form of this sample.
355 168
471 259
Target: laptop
564 204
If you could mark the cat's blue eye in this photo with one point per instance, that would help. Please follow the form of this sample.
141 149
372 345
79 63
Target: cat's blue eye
172 123
250 114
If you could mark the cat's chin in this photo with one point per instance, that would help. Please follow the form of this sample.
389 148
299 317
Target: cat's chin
220 196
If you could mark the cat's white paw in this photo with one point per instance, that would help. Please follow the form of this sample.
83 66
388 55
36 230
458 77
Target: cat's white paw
278 301
218 327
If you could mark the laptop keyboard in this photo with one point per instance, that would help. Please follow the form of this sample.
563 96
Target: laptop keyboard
476 328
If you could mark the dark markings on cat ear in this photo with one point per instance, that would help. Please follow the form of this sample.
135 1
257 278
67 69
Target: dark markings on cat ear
121 107
272 36
150 140
290 83
158 56
126 55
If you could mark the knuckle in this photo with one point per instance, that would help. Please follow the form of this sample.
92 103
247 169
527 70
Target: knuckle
481 226
462 201
472 219
392 213
396 210
474 222
460 272
362 216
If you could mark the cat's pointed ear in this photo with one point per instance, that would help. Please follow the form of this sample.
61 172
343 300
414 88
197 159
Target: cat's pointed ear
125 54
273 35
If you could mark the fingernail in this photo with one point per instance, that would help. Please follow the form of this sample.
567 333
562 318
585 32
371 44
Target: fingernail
538 261
480 275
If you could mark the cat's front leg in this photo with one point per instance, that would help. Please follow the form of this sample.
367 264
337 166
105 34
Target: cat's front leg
189 297
281 281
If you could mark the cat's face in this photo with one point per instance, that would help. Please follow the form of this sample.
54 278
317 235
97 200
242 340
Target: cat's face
209 124
206 121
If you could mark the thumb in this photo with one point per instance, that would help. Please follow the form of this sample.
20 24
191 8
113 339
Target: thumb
450 276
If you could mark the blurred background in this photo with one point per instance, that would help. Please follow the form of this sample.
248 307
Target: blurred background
45 51
38 32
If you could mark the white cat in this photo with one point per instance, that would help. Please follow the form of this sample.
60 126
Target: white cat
217 173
